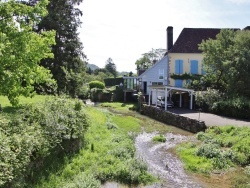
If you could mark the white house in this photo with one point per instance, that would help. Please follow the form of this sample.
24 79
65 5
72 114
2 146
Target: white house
156 75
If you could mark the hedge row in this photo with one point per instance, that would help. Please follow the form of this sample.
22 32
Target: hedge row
112 94
237 108
35 132
113 81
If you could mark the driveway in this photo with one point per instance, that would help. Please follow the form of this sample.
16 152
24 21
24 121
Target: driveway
210 119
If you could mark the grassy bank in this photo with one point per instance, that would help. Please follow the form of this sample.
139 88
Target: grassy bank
220 150
8 108
35 134
108 155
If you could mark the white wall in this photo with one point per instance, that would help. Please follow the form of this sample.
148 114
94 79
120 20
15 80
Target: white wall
152 74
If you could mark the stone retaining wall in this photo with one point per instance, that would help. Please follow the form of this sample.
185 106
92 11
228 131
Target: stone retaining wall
176 120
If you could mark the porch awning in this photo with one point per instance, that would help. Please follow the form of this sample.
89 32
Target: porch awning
168 89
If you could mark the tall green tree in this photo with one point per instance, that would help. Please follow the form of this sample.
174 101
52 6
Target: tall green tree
239 71
227 62
21 49
218 57
69 62
111 67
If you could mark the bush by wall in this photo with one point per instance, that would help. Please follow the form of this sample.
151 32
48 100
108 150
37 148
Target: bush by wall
237 108
35 132
182 122
96 84
112 94
206 99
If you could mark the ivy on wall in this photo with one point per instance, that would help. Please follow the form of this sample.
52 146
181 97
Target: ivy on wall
185 76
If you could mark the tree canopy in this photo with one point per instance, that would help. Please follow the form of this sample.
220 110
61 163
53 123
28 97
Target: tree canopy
149 58
111 67
68 67
227 62
21 49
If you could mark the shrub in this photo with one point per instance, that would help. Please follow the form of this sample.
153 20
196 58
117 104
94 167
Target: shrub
84 92
35 132
207 99
208 150
236 107
83 180
96 84
225 146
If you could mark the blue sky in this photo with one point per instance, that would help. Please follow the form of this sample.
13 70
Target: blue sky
125 29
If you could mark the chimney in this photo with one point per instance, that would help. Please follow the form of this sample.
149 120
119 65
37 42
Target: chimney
169 37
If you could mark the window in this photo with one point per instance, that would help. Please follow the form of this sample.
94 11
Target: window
157 83
161 74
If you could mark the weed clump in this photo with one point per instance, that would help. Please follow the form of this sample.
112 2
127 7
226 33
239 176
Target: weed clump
159 138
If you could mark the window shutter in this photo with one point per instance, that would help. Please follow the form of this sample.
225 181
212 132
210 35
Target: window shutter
194 67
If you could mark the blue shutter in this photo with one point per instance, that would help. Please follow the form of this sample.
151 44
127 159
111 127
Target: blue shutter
178 70
178 66
181 66
178 83
194 67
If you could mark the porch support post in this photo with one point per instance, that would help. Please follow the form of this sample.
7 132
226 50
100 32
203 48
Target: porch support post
156 97
191 100
180 105
149 96
166 99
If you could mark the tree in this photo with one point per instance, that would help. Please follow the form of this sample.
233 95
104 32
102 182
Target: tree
239 77
149 58
143 63
227 62
155 54
69 59
21 49
217 58
111 67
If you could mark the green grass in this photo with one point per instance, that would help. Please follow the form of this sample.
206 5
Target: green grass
127 124
192 162
146 124
219 148
108 155
159 138
119 106
8 108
